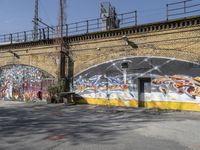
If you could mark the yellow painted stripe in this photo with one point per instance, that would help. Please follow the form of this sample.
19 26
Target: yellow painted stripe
173 105
112 102
134 103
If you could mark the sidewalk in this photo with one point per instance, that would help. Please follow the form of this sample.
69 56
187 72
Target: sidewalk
3 102
12 103
8 103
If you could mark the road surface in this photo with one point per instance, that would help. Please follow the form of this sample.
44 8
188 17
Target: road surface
86 127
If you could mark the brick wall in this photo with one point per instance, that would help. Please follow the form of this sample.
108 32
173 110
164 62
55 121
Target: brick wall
177 39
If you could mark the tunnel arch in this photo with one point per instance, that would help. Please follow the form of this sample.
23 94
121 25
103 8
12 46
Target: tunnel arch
30 66
173 83
135 57
24 82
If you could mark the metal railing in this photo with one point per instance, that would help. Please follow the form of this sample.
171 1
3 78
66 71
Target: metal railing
83 27
173 10
181 8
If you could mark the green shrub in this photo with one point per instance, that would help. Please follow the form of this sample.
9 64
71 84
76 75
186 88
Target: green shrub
54 91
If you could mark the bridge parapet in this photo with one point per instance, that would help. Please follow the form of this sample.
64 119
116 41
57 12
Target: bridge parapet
132 30
173 43
177 38
77 28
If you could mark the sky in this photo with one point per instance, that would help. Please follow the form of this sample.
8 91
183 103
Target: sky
17 15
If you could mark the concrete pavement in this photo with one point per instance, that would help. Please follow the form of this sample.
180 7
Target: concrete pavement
87 127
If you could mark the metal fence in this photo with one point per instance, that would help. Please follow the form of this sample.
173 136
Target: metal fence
182 8
173 10
83 27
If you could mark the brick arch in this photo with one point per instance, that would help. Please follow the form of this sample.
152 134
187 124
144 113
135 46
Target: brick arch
29 66
44 59
110 58
172 83
24 82
182 45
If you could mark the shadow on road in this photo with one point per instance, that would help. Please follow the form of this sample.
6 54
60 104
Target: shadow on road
75 124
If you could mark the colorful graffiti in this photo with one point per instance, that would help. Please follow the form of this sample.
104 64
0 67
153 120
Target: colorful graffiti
173 88
102 86
180 84
21 82
170 82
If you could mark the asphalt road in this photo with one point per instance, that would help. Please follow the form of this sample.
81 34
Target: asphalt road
86 127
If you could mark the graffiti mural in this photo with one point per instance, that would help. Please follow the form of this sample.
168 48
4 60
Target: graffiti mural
171 80
102 86
21 82
179 85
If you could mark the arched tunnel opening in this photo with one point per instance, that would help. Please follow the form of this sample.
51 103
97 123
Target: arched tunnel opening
24 83
152 82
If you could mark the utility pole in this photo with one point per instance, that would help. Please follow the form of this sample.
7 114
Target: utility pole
35 21
62 55
66 72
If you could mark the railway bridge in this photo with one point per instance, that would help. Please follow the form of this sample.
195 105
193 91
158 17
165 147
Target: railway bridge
150 65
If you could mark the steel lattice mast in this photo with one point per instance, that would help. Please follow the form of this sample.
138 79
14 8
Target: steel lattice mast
35 21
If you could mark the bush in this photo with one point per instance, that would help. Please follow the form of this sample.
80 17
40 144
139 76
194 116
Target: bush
54 91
